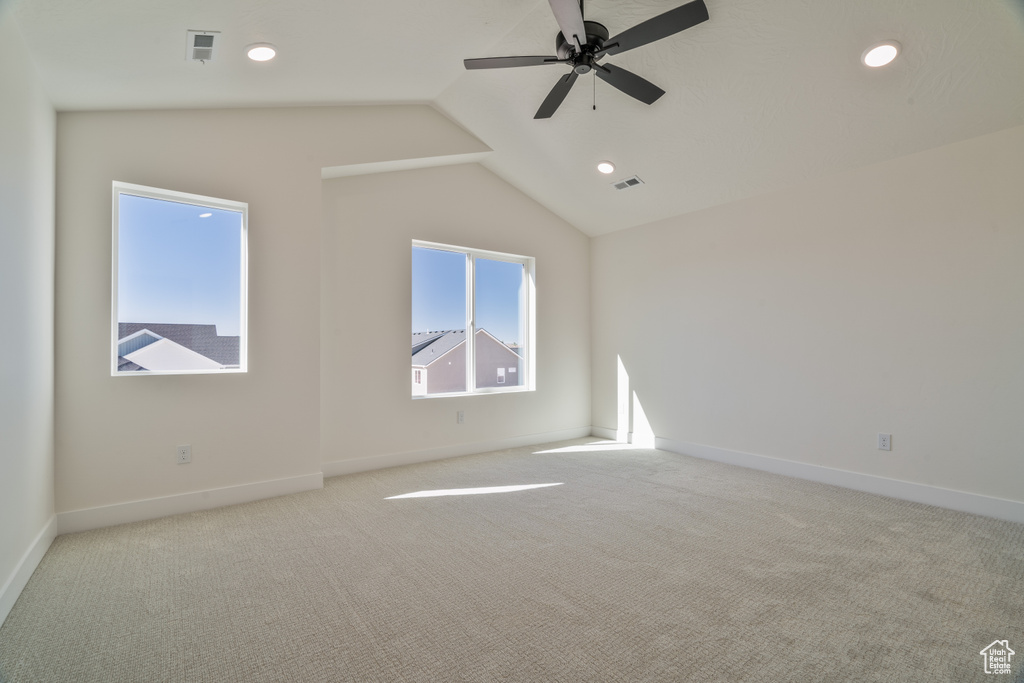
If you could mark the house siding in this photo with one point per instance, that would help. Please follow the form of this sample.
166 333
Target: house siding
448 373
491 355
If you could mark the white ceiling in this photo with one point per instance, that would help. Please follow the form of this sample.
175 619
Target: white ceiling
764 95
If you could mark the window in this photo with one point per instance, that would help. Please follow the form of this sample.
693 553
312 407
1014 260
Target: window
472 320
179 283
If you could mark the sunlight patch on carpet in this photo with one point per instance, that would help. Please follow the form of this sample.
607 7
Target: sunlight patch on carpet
596 446
472 491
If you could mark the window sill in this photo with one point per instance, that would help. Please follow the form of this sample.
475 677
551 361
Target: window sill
478 392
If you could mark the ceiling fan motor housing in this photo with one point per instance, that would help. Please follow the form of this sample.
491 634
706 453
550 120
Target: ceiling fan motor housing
597 34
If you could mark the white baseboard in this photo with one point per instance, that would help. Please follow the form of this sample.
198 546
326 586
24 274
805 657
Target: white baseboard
16 582
151 508
974 503
632 438
339 467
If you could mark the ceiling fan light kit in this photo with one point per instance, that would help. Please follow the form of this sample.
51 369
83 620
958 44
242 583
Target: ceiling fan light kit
582 44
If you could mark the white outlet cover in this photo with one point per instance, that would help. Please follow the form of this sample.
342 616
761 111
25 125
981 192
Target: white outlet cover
885 442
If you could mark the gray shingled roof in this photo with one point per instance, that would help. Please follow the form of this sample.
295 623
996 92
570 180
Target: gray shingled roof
125 365
422 339
203 339
430 349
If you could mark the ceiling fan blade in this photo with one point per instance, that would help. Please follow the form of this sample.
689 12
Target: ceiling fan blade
629 83
555 97
505 62
570 20
656 28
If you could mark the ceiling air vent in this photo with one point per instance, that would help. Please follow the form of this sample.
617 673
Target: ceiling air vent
200 46
627 183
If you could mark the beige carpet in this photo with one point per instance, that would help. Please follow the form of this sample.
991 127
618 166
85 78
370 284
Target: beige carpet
640 566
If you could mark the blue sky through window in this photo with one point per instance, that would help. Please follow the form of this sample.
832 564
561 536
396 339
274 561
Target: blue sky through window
438 290
175 267
439 294
498 291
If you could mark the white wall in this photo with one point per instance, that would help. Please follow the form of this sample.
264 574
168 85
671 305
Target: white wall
799 325
26 312
116 435
368 417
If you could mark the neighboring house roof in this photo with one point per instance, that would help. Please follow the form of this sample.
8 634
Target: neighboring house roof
429 346
420 340
445 341
203 339
125 365
165 355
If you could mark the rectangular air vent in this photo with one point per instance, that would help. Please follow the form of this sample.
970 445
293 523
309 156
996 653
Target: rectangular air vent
627 183
201 45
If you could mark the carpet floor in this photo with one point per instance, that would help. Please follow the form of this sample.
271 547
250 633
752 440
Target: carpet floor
634 565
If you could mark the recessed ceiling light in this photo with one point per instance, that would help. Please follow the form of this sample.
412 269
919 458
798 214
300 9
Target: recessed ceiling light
205 215
261 52
881 54
606 167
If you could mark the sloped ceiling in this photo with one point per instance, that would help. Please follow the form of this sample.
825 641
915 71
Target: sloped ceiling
766 94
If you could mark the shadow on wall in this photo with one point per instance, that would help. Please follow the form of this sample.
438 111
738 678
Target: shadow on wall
641 434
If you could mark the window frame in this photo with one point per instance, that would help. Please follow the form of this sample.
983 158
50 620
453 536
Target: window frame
528 301
200 201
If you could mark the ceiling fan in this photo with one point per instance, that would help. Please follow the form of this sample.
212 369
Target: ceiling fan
581 44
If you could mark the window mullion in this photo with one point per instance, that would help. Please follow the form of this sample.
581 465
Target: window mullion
524 325
470 323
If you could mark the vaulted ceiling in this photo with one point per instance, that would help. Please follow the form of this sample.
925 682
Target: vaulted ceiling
764 95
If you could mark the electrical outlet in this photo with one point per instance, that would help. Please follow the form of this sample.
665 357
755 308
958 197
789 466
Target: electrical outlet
184 454
460 417
885 442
